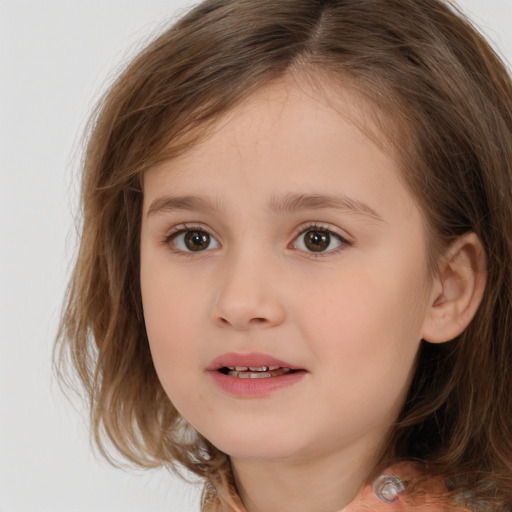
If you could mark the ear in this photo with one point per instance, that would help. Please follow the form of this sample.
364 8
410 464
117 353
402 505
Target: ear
457 290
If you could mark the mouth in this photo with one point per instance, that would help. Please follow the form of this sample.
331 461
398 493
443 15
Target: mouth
253 375
255 372
251 366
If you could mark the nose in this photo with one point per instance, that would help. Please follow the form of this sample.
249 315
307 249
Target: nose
249 295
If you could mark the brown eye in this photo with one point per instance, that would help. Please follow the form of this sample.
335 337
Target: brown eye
194 240
317 241
197 240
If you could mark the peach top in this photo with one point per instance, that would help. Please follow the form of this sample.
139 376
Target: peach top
387 494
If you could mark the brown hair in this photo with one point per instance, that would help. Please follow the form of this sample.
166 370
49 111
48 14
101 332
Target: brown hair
424 67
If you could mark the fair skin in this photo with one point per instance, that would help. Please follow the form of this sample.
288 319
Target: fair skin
289 233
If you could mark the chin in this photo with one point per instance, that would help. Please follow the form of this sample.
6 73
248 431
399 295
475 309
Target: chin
261 446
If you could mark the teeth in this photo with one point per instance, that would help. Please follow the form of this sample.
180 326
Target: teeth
258 374
253 368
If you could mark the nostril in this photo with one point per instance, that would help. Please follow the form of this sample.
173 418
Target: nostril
258 321
253 321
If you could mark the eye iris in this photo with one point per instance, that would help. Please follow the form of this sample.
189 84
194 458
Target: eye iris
197 240
317 240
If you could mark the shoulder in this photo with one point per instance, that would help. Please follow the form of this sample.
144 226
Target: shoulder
388 494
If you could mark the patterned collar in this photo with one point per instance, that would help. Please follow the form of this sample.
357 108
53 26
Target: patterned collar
388 494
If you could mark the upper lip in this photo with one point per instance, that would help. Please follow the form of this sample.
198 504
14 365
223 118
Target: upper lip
253 359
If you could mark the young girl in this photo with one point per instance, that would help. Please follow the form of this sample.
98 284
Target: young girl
294 276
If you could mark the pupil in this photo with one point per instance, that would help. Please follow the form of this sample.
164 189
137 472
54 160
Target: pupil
317 240
197 240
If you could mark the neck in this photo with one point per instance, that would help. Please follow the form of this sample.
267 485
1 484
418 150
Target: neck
321 484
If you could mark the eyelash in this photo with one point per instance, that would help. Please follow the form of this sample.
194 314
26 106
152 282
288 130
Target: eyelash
322 228
182 230
185 228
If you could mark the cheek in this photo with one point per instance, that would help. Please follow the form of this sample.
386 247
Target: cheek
173 335
364 353
171 323
368 320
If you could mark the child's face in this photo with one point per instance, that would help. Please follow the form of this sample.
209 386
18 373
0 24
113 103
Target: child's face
287 234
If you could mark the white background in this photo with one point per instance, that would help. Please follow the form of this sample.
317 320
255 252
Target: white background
55 59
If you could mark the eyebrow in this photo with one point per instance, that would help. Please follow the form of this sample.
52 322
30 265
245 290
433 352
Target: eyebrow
189 203
288 203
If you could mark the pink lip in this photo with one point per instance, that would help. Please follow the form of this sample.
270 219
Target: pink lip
252 388
251 359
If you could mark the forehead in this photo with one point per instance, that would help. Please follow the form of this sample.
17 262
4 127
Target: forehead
319 99
287 105
287 139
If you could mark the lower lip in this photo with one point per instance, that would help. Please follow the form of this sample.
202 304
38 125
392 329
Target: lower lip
255 387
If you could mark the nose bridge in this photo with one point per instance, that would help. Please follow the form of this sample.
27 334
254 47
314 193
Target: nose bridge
248 292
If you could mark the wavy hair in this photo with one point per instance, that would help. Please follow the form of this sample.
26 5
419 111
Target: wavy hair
445 99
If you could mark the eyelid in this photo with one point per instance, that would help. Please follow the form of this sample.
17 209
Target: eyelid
185 227
343 237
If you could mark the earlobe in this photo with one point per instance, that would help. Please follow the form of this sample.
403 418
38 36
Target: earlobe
457 290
